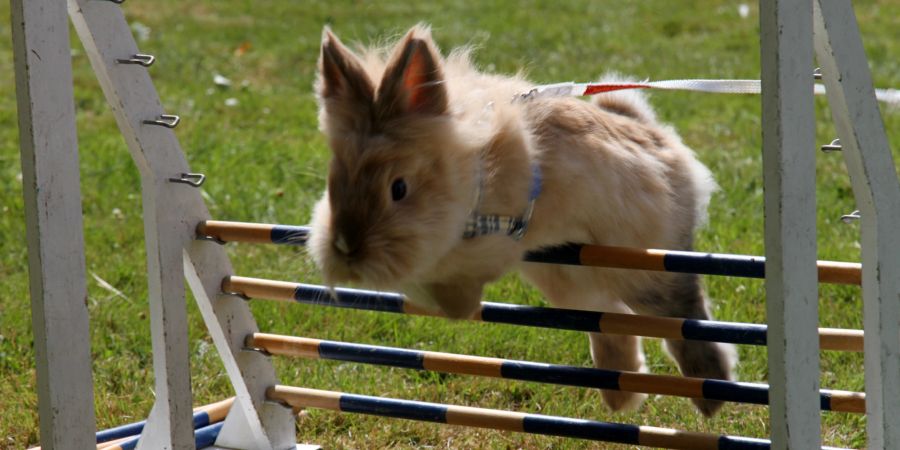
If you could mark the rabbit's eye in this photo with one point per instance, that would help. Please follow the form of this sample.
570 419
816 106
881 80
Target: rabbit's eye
398 189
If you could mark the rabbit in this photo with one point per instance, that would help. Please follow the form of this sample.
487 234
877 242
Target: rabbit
421 144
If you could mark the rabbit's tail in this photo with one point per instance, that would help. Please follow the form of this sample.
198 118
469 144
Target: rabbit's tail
629 102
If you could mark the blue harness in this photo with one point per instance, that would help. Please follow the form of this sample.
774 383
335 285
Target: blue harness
514 227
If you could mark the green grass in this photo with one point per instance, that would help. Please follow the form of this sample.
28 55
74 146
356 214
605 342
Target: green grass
265 161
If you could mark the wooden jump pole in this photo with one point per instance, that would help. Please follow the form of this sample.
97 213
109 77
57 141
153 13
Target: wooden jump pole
512 421
592 321
731 391
835 272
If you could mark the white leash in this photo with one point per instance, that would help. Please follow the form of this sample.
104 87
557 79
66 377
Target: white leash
572 89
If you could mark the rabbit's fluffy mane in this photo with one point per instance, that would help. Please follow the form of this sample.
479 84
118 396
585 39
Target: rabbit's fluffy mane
478 101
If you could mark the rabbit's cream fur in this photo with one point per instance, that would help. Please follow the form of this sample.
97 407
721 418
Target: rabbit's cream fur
611 174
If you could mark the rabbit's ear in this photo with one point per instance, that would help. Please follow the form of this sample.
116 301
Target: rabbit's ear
341 76
413 82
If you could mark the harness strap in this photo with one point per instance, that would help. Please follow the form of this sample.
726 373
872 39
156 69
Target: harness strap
514 227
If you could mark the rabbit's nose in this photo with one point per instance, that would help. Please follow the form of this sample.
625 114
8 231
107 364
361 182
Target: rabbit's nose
344 246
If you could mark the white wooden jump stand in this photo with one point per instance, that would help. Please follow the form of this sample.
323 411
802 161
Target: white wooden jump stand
791 32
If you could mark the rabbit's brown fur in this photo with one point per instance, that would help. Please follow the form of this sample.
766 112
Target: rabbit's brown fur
611 174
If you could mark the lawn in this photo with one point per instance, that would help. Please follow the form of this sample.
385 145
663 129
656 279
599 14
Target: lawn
258 143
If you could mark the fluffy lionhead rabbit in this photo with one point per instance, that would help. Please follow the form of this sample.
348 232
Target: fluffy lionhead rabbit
439 184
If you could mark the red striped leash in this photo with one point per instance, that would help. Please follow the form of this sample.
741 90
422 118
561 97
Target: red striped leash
572 89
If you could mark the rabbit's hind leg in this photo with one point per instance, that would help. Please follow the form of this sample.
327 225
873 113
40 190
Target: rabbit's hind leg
681 295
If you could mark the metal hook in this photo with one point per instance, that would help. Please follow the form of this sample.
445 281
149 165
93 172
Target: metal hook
137 58
817 74
261 351
165 120
211 239
834 146
240 295
848 218
280 403
525 96
193 179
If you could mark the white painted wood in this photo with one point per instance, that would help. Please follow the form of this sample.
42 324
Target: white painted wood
172 212
868 157
170 424
790 222
106 36
229 321
54 229
237 431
